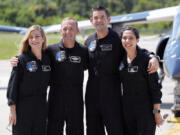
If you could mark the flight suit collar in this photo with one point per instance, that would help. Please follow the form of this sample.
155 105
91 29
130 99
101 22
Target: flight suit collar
137 56
34 57
64 48
109 33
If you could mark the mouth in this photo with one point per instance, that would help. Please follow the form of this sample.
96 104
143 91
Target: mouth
128 45
36 44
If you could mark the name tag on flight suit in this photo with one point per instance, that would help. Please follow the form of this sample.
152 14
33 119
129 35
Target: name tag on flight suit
133 69
46 68
106 47
75 59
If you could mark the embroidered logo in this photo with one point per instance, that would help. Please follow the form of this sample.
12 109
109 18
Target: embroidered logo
133 69
92 46
106 47
32 66
121 66
75 59
46 68
60 56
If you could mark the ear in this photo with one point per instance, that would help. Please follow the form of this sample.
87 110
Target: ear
137 40
77 30
91 19
109 19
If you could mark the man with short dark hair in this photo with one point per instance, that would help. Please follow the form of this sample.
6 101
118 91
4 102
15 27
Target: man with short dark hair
103 101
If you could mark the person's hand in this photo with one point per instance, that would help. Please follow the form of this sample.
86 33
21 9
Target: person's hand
158 119
14 61
12 115
153 65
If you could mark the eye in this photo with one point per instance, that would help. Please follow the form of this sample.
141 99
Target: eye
38 36
131 38
95 18
30 37
102 17
64 29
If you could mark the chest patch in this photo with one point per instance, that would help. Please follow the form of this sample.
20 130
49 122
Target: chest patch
60 56
133 69
106 47
75 59
32 66
92 46
121 66
46 68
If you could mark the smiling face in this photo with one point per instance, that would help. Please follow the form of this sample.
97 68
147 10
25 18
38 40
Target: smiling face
129 40
100 20
69 30
35 40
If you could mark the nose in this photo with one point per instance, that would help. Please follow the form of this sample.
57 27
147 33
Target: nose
33 38
127 40
68 31
99 19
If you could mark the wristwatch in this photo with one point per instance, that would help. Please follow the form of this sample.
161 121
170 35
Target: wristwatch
156 111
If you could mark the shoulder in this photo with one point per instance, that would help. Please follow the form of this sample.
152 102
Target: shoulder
114 34
83 47
90 38
22 60
51 47
143 55
46 57
23 57
45 54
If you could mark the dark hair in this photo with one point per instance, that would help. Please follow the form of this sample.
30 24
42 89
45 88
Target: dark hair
131 28
101 8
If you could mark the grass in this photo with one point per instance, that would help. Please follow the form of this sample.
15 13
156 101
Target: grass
9 43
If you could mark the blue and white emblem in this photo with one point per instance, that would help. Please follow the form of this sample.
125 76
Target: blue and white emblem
92 46
121 66
60 56
32 66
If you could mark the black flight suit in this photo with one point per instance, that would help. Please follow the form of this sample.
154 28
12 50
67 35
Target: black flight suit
27 90
103 87
140 91
66 89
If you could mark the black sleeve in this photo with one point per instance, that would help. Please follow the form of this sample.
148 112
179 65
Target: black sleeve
155 88
153 83
86 43
122 51
13 85
48 52
147 52
151 53
86 61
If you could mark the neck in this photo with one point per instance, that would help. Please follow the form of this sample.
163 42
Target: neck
37 53
102 33
69 44
131 55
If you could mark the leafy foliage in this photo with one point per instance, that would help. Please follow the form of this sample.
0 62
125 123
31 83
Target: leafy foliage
46 12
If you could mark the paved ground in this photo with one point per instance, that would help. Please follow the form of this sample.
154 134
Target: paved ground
168 85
